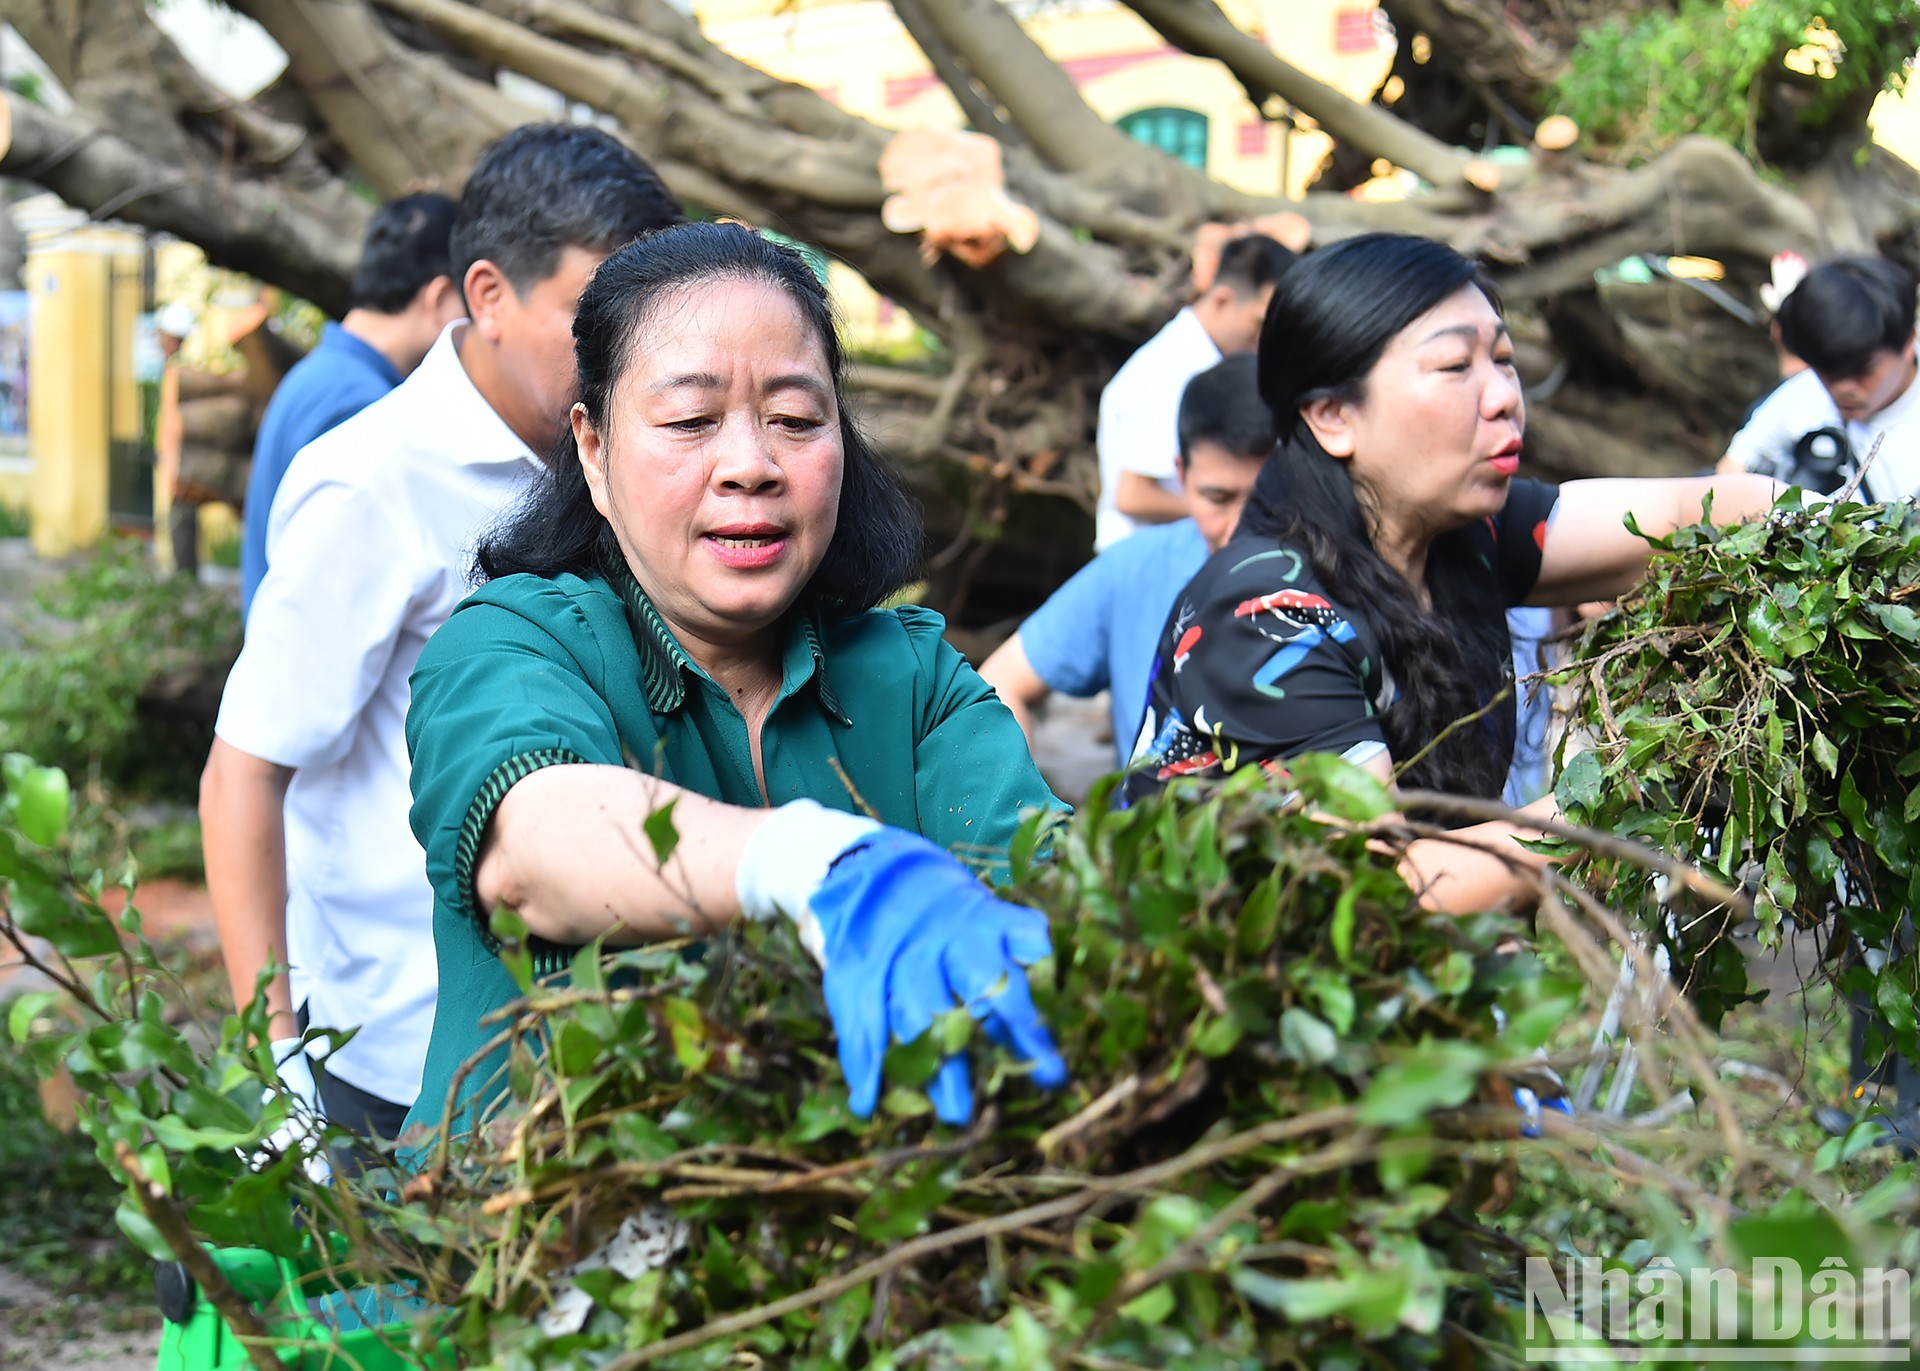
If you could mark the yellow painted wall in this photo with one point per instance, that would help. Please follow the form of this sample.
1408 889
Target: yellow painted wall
16 487
76 274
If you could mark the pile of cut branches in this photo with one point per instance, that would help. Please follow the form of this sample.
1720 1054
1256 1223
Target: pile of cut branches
1289 1138
1752 706
1274 1138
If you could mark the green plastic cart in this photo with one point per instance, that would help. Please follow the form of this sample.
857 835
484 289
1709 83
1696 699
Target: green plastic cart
335 1332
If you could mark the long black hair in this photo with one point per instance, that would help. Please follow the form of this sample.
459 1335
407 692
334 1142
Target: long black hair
877 543
1331 318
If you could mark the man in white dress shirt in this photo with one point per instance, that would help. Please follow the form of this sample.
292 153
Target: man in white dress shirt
1851 320
311 863
1138 439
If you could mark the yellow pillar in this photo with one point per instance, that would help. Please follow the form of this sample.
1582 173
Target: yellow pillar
73 410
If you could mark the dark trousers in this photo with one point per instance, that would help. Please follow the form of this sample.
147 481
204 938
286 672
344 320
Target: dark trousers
354 1109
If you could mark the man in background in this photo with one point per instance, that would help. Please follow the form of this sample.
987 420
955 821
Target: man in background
403 296
1101 629
1138 437
311 863
1851 321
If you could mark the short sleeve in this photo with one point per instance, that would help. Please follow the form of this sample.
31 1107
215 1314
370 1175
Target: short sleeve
497 696
1066 639
1139 425
1520 538
974 779
323 628
1257 665
1766 441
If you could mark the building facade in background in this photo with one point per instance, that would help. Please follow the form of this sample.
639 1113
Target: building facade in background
856 54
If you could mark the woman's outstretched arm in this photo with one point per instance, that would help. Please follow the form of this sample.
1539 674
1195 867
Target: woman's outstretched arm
567 851
1590 554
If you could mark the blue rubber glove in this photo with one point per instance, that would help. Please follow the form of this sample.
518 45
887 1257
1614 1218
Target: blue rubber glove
903 933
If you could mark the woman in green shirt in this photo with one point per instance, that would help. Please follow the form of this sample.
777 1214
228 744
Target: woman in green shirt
683 614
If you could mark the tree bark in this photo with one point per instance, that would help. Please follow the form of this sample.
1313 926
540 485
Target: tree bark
305 241
1039 97
980 111
406 120
1645 379
1199 27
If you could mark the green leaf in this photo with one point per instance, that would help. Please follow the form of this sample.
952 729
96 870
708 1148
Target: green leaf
953 1030
1531 1027
1217 1038
1372 1300
1339 787
42 804
1335 998
75 927
1795 1227
661 831
1153 1307
820 1116
1340 930
1307 1039
1893 996
913 1064
576 1051
25 1010
688 1028
1405 1161
1259 918
1898 620
903 1209
1581 782
509 930
140 1229
1864 1134
587 973
1436 1075
903 1103
640 1137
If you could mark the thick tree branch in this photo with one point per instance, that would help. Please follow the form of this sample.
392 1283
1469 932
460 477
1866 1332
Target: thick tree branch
979 110
1699 197
306 241
666 120
403 117
654 31
1039 97
1199 27
1487 44
571 19
1069 282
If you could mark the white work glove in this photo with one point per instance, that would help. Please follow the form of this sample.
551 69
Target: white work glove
789 857
306 1120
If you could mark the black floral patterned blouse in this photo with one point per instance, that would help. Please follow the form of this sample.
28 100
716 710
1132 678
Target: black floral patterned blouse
1257 664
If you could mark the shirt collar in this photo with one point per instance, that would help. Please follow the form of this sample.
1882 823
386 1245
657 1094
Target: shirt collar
473 433
335 336
664 663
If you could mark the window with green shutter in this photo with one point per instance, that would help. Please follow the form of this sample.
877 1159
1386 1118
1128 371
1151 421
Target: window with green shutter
1178 131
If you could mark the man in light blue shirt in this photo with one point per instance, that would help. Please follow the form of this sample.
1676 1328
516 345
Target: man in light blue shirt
403 297
1100 630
